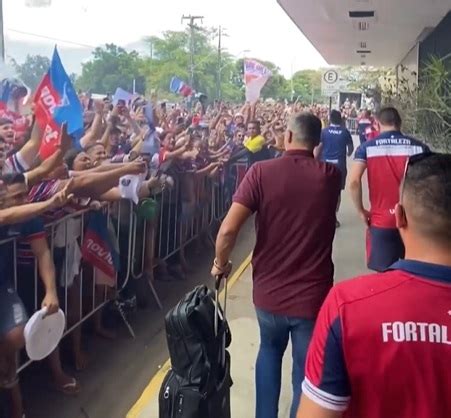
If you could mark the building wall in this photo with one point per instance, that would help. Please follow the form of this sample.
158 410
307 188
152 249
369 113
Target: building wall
438 43
407 69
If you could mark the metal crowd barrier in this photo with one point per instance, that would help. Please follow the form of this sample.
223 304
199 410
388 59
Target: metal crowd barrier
352 125
92 294
142 244
180 221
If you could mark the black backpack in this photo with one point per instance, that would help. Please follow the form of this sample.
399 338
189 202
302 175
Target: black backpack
198 385
196 352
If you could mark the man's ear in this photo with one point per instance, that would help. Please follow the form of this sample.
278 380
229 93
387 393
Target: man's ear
400 216
289 136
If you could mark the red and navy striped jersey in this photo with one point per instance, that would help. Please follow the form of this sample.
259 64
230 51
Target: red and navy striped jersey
15 163
26 233
381 347
386 157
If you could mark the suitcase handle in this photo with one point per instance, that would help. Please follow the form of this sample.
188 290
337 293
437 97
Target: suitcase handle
218 280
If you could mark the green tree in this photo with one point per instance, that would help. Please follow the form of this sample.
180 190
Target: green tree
170 56
32 70
112 67
307 86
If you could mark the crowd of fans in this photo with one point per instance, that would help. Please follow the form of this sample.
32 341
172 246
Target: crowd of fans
163 145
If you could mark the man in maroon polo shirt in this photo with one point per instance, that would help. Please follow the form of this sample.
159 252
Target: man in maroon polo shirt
294 198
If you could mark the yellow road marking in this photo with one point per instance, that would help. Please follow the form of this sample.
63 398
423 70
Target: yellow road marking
154 385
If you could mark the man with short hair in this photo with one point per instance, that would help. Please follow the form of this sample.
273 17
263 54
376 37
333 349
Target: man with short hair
22 160
385 158
295 198
336 144
255 143
7 132
382 343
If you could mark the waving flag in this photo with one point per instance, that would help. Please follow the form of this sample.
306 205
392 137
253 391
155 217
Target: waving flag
180 87
99 248
255 77
13 94
57 102
5 93
122 94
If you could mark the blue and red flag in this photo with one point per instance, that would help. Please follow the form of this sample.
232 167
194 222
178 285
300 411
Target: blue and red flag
180 87
56 102
5 92
12 94
98 246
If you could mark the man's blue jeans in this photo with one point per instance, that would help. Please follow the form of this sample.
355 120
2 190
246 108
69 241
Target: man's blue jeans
275 331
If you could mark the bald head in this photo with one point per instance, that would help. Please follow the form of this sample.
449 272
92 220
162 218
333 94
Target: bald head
427 197
305 129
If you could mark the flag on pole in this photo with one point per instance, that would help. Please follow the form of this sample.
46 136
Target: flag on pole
56 102
13 94
122 94
178 86
255 77
99 248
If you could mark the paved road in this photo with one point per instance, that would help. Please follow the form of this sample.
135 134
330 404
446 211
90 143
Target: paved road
120 370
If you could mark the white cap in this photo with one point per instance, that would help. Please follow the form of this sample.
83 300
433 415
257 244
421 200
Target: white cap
43 333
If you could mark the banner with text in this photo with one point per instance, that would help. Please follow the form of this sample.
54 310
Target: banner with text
255 77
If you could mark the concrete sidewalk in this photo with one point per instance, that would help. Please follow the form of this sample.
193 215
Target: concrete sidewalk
349 259
243 350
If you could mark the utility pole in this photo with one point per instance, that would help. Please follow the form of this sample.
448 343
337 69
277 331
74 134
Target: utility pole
2 34
218 80
221 33
192 27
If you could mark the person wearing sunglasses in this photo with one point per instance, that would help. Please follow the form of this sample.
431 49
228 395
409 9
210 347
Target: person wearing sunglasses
384 158
381 347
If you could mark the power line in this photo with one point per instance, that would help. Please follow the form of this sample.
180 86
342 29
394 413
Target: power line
50 38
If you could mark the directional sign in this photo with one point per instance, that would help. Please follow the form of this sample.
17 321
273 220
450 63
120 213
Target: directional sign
330 82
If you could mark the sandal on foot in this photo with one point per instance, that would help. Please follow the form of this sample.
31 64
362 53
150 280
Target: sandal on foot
69 389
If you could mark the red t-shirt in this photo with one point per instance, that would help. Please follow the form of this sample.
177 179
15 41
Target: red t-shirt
382 345
295 198
386 158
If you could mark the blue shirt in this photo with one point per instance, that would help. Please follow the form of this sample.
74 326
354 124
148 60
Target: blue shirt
335 140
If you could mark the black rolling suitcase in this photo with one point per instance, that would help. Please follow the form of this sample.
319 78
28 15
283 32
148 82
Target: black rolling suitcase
198 384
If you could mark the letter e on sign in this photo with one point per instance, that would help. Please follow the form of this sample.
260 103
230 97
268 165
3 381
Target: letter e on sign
331 77
330 82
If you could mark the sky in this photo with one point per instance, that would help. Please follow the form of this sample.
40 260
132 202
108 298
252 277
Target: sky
258 26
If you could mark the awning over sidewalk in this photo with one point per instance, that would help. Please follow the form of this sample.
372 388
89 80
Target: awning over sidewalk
365 32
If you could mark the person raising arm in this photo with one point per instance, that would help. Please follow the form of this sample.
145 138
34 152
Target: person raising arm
18 214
